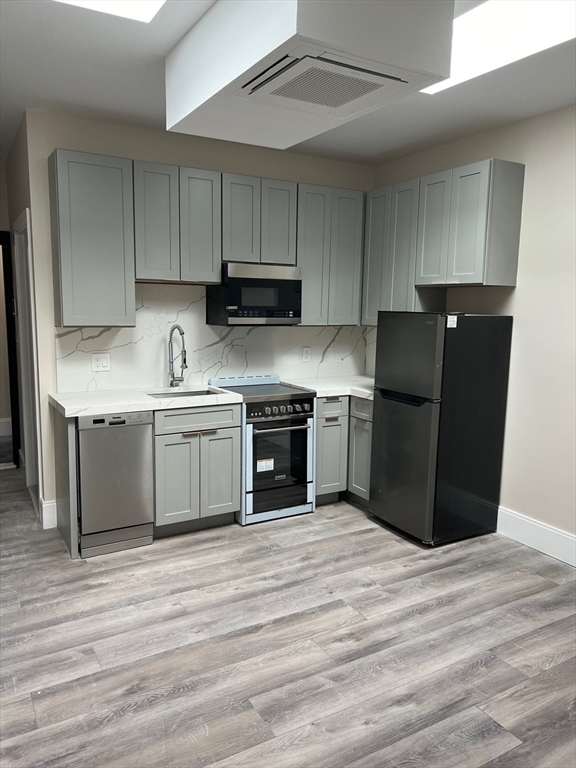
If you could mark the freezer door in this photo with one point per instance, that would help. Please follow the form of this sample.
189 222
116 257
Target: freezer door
409 353
403 470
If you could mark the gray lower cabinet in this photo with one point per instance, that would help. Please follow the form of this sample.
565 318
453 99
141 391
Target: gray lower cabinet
329 253
92 209
359 456
177 469
197 474
241 198
220 472
331 447
278 226
200 225
156 221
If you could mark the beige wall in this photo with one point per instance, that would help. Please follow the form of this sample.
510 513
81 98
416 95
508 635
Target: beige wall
539 453
46 131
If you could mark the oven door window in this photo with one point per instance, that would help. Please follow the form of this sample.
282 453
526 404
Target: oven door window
279 468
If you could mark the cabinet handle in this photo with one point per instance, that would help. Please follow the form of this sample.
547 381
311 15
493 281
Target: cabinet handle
209 431
190 434
332 399
331 418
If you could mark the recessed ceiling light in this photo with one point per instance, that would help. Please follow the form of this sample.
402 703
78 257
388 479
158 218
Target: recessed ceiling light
499 32
139 10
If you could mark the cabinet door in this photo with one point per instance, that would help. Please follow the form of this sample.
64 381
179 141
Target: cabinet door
468 223
360 449
278 231
376 250
156 221
240 218
433 229
331 454
220 472
177 468
345 257
401 293
200 225
93 239
313 251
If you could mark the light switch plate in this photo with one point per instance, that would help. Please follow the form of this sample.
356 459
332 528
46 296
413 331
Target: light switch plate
306 354
100 362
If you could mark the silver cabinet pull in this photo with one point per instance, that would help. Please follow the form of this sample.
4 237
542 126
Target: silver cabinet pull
332 398
199 432
280 429
331 418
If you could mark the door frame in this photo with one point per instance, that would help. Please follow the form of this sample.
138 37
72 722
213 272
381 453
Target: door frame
27 354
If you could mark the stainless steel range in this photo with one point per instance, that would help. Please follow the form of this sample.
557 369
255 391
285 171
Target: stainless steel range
277 447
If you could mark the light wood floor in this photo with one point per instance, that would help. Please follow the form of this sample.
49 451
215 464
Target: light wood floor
314 642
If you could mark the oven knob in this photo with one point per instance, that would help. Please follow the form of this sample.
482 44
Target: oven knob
290 408
267 411
306 406
298 408
275 410
282 409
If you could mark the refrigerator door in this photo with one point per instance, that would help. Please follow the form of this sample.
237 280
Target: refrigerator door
403 470
409 353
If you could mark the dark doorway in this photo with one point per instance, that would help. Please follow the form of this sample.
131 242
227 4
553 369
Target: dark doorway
8 273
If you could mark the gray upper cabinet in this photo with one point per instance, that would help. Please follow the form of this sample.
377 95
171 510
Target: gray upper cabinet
220 472
156 221
241 197
485 218
278 232
468 220
200 225
93 239
401 293
376 250
345 257
433 228
314 218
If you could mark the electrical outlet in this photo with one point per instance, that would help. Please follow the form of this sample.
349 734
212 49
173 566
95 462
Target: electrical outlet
100 362
306 354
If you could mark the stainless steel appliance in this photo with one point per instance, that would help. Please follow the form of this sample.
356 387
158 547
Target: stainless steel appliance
441 382
255 294
116 484
277 447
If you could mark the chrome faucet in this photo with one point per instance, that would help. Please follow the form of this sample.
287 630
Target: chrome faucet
175 380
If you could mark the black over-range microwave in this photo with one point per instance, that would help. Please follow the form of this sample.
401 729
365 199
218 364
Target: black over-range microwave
255 294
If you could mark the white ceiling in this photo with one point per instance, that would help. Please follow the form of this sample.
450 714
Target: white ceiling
58 57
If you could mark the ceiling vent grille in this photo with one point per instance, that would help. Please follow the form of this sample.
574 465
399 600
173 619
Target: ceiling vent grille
325 88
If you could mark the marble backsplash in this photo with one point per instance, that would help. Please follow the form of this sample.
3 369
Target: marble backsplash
139 355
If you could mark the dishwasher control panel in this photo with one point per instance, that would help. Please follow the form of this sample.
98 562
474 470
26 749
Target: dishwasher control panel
115 420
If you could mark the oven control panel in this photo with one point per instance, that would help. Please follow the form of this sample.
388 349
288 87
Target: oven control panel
280 409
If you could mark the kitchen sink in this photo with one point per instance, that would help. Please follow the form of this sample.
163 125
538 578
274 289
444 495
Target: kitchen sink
180 393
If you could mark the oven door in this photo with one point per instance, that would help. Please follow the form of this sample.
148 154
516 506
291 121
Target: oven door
279 464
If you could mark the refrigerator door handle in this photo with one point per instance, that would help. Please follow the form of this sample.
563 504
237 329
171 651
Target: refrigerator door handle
400 397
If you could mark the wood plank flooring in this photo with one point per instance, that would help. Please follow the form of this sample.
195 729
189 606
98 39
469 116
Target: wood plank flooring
321 641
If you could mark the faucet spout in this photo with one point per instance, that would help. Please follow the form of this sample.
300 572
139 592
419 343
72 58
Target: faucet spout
175 380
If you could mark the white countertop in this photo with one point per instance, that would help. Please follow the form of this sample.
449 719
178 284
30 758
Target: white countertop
356 386
71 404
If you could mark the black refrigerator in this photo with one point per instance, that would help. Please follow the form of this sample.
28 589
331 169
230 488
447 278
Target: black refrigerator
441 382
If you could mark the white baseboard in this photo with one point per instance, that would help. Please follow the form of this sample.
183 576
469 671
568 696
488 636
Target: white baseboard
541 536
48 518
5 427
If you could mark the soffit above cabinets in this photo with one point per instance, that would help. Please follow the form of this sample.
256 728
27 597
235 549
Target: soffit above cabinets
280 72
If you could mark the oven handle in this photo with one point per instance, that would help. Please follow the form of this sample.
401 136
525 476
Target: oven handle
280 429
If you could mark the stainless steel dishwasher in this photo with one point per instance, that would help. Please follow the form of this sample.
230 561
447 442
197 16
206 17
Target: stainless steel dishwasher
116 482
